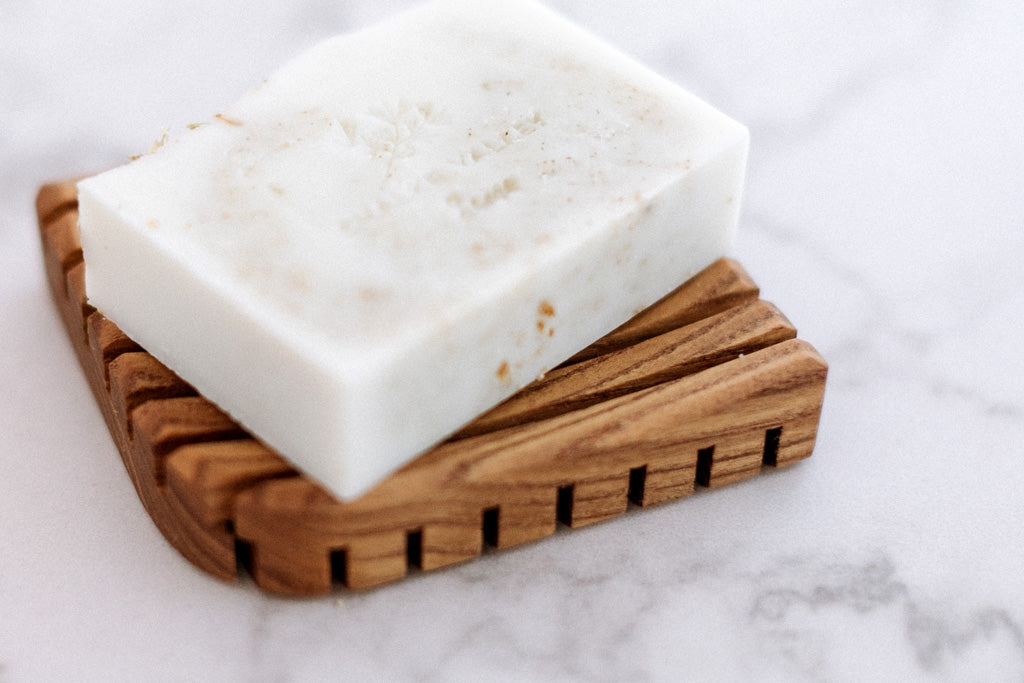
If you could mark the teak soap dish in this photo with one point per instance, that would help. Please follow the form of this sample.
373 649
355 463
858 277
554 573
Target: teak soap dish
705 387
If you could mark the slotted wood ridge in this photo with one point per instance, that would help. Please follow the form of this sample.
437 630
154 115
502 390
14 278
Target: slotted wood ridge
706 387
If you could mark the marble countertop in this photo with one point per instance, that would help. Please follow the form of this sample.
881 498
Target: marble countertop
883 214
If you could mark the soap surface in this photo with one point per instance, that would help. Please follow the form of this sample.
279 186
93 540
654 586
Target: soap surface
403 226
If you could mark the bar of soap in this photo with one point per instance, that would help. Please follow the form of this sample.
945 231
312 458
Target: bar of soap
403 226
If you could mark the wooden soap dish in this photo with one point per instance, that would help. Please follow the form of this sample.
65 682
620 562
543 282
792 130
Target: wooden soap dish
706 387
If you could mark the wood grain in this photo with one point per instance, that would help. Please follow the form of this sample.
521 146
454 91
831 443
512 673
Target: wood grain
705 388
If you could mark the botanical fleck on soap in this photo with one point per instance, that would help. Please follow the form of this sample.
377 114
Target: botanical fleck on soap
403 226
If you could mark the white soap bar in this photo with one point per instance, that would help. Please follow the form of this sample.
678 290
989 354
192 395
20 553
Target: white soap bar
403 226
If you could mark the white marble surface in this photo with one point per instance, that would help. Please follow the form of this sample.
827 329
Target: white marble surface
883 214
